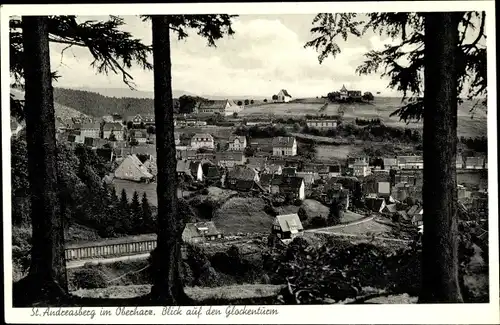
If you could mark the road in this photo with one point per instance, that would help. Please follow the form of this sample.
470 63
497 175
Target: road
80 263
328 231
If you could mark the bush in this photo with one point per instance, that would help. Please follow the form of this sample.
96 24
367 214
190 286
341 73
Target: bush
270 211
318 222
89 277
302 214
297 202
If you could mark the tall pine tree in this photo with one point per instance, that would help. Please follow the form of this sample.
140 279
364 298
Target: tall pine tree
166 260
147 215
136 214
449 48
113 50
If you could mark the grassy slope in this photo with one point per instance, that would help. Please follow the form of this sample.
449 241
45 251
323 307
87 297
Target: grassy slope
62 112
244 215
380 108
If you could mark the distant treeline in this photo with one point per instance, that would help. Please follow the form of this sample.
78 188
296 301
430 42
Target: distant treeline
97 105
261 132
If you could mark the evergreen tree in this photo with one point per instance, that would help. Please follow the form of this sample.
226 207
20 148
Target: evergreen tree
147 215
168 286
136 213
124 201
448 53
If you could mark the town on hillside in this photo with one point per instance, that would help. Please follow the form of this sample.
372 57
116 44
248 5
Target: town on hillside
301 191
248 178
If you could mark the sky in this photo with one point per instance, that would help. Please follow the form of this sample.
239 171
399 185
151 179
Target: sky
265 54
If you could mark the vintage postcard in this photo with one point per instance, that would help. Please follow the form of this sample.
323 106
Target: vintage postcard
253 163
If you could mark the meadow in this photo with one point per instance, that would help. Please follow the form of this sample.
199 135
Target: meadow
470 123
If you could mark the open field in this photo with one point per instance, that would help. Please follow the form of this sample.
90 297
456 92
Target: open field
245 215
281 109
380 108
328 153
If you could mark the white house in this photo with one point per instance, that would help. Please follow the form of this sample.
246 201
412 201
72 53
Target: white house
361 169
284 146
322 124
237 143
115 129
90 130
410 162
283 96
202 140
224 107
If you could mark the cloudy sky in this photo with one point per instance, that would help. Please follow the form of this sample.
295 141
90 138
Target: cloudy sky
265 55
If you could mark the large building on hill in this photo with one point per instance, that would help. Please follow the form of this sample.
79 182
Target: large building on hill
283 96
345 94
224 107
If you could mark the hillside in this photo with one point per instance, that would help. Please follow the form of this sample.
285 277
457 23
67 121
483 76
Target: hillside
62 112
97 105
472 117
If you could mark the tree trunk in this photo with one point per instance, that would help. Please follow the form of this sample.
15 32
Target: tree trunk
440 240
166 260
47 275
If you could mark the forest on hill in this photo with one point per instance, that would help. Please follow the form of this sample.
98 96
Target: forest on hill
97 105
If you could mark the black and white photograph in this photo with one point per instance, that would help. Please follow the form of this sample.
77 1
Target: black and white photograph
250 162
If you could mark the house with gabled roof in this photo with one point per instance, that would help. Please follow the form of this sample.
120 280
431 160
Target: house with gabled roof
151 166
224 107
140 135
240 173
283 96
89 130
284 146
131 168
200 232
287 226
237 142
229 159
212 173
258 163
375 204
202 140
115 129
410 162
334 171
309 179
292 187
390 163
361 169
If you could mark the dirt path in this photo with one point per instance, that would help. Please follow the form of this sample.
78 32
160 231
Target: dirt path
328 231
80 263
